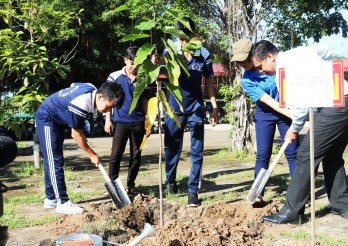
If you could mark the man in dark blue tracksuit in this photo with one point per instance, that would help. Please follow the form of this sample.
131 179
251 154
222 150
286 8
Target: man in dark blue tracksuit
199 66
69 107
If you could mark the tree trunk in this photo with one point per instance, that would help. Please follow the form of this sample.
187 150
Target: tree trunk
36 150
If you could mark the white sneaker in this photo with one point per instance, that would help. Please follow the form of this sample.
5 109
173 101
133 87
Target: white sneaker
69 208
49 204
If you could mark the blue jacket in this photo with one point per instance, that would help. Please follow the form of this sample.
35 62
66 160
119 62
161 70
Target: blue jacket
69 106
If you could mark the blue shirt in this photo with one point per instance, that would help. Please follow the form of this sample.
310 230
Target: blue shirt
128 86
256 85
199 66
69 106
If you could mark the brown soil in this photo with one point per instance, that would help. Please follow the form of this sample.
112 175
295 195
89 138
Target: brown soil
220 223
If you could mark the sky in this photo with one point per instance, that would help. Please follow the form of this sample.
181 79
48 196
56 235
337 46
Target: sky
338 44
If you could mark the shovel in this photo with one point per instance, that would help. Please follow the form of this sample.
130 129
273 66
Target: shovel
263 176
115 190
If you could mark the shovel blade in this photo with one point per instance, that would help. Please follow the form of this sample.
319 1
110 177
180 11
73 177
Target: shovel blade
258 185
121 192
110 187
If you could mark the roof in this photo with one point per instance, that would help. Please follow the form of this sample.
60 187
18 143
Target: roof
219 70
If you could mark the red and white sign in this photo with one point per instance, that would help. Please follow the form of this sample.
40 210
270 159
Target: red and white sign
319 84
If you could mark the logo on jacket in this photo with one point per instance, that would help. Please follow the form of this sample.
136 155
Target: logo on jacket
196 66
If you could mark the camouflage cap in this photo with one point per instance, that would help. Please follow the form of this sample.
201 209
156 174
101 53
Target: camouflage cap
241 49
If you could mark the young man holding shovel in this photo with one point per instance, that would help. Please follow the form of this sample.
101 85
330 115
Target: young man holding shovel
262 89
330 134
69 107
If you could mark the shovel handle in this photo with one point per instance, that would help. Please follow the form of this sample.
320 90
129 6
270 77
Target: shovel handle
276 159
102 170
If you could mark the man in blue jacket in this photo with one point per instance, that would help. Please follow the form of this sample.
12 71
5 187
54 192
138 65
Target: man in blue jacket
69 107
199 66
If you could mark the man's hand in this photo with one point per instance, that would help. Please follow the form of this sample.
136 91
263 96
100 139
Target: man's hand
108 127
155 58
95 159
215 117
291 135
81 140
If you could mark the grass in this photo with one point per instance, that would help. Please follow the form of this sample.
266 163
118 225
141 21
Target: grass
302 235
227 196
14 217
236 176
27 168
24 169
227 154
18 221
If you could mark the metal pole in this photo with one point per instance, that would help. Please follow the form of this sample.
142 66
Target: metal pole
160 151
312 172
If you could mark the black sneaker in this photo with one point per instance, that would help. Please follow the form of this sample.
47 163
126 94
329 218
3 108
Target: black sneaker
193 199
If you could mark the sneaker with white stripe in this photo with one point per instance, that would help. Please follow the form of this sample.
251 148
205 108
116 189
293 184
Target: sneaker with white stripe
69 208
49 204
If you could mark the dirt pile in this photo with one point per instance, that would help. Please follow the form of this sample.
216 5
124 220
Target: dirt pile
220 223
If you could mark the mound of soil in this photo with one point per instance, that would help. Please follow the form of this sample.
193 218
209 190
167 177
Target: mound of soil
221 223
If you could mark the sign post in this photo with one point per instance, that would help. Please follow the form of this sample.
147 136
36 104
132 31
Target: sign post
319 84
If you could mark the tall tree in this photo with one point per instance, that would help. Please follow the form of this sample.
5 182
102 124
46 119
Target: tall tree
30 32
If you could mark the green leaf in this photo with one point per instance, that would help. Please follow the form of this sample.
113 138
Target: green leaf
151 71
170 47
143 52
8 52
185 23
145 26
176 92
141 84
173 69
191 47
169 109
23 88
121 8
183 64
173 13
25 82
175 32
132 37
38 98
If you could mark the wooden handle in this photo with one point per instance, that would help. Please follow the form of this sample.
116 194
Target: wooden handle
276 159
106 176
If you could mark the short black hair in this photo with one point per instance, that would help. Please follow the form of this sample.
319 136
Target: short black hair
261 48
112 91
131 52
181 27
